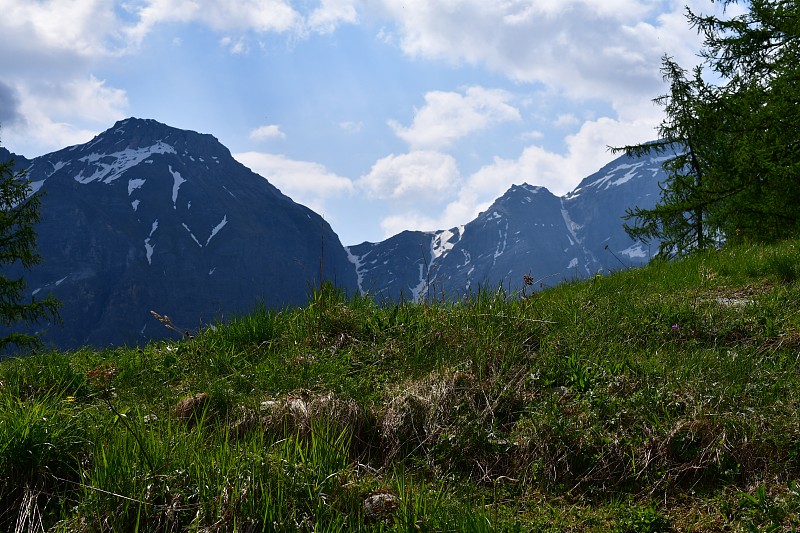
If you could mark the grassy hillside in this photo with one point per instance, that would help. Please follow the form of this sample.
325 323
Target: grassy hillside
660 399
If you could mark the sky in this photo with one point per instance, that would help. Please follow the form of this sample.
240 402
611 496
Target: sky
381 115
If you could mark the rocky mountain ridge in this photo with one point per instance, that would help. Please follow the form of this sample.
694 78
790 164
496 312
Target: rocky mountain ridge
528 231
146 217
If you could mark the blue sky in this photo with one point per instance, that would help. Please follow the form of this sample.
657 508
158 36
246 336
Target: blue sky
382 115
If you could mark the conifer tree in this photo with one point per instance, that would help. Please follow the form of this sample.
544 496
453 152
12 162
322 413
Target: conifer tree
680 221
734 172
758 55
19 212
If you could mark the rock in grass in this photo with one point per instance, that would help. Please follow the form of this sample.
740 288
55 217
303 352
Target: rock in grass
191 407
380 506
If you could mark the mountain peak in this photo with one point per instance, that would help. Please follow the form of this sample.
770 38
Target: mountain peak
146 216
126 125
137 133
135 121
520 196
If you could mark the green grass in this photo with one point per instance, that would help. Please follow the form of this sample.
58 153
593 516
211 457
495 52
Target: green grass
660 399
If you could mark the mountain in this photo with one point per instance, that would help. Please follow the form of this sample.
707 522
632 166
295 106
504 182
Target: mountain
149 217
526 232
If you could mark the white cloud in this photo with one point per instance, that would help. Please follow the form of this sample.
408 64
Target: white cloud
62 113
456 210
260 16
351 126
590 51
39 133
235 46
308 183
331 13
219 15
92 28
9 104
449 116
586 152
267 133
585 49
410 220
65 41
36 28
533 135
414 185
566 119
86 99
419 176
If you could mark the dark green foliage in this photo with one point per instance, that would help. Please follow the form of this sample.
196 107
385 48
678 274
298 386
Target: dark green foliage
19 213
733 172
679 222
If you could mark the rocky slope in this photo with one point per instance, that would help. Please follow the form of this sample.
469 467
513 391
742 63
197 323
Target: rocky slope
526 232
148 217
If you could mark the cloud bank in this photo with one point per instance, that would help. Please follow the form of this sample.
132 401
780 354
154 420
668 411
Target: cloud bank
450 116
574 55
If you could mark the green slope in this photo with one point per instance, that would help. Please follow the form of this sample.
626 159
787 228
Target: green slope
659 399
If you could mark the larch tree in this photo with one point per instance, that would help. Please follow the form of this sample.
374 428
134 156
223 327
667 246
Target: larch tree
732 146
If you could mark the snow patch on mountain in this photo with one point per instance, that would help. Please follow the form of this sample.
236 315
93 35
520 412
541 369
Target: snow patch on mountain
572 227
422 286
444 241
217 228
606 180
35 186
119 162
134 184
501 243
56 167
359 265
532 189
148 248
191 234
627 177
467 257
178 180
635 251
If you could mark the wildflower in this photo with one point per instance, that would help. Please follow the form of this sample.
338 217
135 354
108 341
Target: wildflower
70 398
674 326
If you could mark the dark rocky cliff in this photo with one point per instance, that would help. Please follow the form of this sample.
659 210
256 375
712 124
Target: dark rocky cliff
148 217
